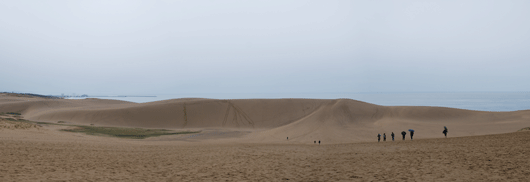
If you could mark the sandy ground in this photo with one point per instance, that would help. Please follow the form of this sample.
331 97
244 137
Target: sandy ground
41 155
245 140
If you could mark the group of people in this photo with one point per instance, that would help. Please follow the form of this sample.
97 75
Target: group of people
314 141
393 135
404 133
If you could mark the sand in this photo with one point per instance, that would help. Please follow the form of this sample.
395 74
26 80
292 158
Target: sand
245 140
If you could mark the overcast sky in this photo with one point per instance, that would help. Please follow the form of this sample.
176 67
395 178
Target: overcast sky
164 47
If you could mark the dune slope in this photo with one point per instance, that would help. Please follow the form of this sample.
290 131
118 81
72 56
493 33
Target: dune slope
272 120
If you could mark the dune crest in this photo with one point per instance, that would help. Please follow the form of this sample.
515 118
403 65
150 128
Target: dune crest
272 120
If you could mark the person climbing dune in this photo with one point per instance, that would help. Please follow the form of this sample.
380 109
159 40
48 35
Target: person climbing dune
445 131
384 137
378 137
392 136
404 134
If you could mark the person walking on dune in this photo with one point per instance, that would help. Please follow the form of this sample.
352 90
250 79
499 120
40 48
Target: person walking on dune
319 142
403 133
445 131
392 136
378 137
411 134
384 137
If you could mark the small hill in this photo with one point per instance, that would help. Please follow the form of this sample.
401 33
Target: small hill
272 120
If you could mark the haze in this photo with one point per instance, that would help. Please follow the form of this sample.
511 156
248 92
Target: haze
161 47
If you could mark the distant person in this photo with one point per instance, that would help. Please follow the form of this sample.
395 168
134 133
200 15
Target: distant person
319 142
392 136
315 142
404 134
411 134
384 137
287 138
445 131
378 137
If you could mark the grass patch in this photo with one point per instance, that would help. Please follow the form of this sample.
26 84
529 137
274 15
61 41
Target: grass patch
134 133
525 129
30 122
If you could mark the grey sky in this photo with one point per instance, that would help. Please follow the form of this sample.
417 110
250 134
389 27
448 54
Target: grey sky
156 47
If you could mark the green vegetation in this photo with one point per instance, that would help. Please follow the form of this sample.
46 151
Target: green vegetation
525 129
31 122
134 133
10 113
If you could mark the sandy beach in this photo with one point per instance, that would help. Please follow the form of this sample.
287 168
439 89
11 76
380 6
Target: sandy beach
245 140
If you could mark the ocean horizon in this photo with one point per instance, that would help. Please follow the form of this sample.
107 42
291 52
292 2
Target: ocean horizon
480 101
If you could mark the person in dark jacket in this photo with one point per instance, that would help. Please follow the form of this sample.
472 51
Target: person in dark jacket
403 133
445 131
319 142
392 136
378 137
411 134
384 137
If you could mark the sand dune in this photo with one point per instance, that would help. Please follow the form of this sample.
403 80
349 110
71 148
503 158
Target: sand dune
272 120
245 140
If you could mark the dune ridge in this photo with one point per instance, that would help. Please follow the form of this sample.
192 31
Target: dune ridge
272 120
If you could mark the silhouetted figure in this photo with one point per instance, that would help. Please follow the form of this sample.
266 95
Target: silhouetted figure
411 134
319 142
378 137
287 138
384 137
404 134
392 136
445 131
315 142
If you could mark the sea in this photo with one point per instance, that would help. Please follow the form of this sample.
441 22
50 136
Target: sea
480 101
